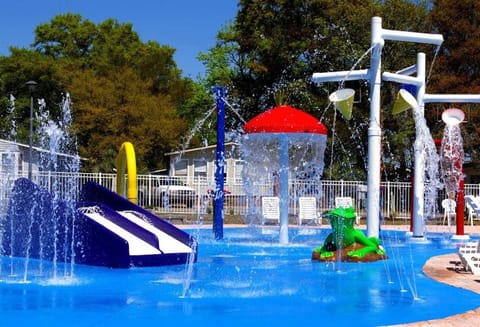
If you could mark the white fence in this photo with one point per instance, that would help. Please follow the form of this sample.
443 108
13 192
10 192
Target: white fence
194 196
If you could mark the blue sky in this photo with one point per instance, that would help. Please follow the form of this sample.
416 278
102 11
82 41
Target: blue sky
189 26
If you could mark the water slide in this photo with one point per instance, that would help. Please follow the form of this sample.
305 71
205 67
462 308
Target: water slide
148 240
102 229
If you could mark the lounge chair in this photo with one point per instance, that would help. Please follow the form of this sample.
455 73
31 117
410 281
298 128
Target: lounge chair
270 209
472 262
345 202
473 207
466 251
307 210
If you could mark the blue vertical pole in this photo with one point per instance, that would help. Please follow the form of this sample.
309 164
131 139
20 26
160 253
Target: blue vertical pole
219 164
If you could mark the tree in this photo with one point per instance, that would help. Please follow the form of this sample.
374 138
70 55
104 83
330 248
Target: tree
121 88
273 48
66 36
117 109
21 66
457 66
458 23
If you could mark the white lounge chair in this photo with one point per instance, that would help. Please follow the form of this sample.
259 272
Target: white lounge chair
473 207
449 206
270 209
470 247
467 250
472 262
307 210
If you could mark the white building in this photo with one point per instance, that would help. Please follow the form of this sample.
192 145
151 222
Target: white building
15 158
199 163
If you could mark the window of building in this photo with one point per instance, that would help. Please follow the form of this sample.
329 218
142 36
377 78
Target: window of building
200 168
8 163
181 167
238 171
20 163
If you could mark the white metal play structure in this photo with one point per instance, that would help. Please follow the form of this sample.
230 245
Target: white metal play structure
375 77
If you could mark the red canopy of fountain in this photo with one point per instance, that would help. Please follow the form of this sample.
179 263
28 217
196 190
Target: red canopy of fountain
285 119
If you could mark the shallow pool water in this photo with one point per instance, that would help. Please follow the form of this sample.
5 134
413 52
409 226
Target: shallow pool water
245 279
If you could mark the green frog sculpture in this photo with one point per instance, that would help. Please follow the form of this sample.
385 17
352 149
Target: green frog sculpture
346 243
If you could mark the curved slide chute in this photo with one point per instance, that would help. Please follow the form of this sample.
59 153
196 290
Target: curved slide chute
126 160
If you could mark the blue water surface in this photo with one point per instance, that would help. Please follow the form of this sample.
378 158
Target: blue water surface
246 279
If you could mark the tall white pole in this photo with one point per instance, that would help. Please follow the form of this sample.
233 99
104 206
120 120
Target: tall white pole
419 158
374 75
374 132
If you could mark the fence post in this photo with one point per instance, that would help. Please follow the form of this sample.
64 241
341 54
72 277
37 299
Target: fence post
389 200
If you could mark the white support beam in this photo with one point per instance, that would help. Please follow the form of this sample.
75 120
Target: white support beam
402 79
347 75
436 39
452 98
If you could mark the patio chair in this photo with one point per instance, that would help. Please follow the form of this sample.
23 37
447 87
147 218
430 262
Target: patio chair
307 210
472 262
449 207
467 250
270 209
345 202
473 207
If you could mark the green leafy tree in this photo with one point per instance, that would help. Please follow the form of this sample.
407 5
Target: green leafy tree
122 89
273 48
457 67
15 70
66 36
117 109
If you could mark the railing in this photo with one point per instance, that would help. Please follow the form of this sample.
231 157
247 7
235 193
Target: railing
194 196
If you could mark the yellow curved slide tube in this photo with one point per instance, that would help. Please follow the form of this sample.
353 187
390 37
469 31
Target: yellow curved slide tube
126 159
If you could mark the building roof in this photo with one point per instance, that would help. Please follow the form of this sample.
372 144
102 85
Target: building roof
37 149
203 148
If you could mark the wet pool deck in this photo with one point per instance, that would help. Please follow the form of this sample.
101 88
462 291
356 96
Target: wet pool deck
443 268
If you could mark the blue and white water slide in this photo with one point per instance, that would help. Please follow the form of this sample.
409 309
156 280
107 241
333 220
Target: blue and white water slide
102 229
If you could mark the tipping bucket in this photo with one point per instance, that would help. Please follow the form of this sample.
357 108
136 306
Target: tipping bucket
453 116
343 100
405 100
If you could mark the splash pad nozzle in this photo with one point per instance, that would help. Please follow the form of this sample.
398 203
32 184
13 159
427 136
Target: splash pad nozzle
453 116
405 100
343 101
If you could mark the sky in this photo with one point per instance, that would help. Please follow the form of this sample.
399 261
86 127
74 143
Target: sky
189 26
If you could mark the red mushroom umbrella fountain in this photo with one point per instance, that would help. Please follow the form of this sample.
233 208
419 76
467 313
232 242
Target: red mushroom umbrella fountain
284 141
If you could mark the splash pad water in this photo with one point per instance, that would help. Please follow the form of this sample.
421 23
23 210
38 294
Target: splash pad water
248 278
